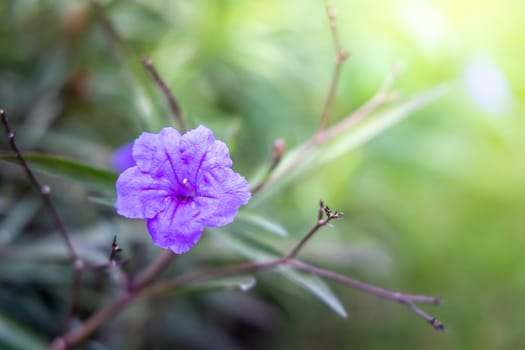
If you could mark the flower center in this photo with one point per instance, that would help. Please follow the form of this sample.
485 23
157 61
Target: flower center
190 192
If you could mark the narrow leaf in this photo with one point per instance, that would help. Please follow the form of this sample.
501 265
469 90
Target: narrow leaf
15 336
242 282
246 246
375 125
356 136
17 217
266 224
257 251
80 173
317 287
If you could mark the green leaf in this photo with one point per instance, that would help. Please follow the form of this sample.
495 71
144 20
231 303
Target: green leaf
107 202
246 246
241 282
17 217
15 336
266 224
317 287
349 140
80 173
377 123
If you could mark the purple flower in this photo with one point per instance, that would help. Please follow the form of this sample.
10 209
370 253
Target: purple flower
123 158
180 184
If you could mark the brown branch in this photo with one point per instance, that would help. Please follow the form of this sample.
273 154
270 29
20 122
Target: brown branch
145 290
321 221
278 149
168 285
115 249
340 57
382 96
44 190
78 266
107 27
168 95
74 337
103 315
45 194
152 271
405 299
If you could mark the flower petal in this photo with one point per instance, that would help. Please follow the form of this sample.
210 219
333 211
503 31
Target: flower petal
220 195
198 150
175 227
139 195
179 184
123 158
151 151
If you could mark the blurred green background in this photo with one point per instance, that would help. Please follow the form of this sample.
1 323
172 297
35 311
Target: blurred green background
434 205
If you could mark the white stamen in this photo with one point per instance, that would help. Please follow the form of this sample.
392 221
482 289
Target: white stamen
188 186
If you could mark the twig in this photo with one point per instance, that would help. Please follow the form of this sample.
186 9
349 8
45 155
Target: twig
152 271
44 190
145 290
115 249
120 53
321 221
168 95
434 322
278 149
405 299
382 96
107 26
78 266
89 326
45 194
340 57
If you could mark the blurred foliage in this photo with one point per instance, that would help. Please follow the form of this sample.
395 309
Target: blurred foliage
434 205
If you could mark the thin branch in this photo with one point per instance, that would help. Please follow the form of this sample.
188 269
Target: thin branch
152 271
168 95
405 299
168 285
103 315
120 53
78 266
107 27
76 336
45 194
321 221
340 57
44 190
115 249
434 322
142 288
382 96
278 149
